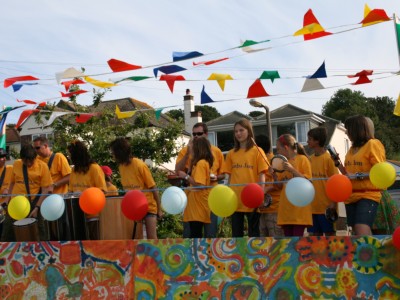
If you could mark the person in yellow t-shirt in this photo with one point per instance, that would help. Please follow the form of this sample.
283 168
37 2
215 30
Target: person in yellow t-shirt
322 166
5 180
183 163
245 163
293 219
39 182
111 188
57 163
85 174
364 153
197 211
135 175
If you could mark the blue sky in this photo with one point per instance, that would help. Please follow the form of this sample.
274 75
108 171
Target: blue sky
43 37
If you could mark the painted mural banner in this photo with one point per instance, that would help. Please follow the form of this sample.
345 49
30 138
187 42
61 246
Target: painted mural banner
225 268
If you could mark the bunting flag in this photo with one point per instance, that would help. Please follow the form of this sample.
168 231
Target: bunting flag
177 56
54 115
397 30
83 118
120 66
204 98
133 78
168 69
170 79
257 90
210 62
68 95
125 114
362 79
42 104
220 78
272 75
12 80
312 85
248 43
67 84
374 16
16 87
24 115
27 101
99 83
158 113
3 141
312 29
68 73
361 73
9 108
397 107
320 73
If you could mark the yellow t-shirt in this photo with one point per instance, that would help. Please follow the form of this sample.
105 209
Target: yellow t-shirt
289 214
322 166
94 177
7 179
362 161
275 194
218 163
137 176
244 167
38 177
59 169
111 190
197 208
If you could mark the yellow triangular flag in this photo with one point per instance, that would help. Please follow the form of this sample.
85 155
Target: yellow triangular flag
310 29
397 107
99 83
220 78
123 115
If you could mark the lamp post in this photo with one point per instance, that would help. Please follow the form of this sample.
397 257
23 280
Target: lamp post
255 103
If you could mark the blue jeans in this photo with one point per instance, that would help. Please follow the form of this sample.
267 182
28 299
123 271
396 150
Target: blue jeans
210 229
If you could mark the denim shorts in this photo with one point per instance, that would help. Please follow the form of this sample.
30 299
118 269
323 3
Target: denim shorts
361 212
320 224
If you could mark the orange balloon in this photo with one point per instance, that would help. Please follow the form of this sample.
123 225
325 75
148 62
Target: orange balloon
92 200
338 188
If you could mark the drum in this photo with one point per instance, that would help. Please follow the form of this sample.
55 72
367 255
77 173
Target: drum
26 230
113 224
277 163
75 221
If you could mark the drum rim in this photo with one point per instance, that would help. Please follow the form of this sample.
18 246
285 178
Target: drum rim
280 156
27 224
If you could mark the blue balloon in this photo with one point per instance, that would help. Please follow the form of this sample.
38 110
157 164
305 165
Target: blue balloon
174 200
300 191
52 207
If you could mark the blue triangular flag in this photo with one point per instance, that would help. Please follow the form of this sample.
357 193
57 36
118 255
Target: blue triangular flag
168 69
320 73
205 98
177 56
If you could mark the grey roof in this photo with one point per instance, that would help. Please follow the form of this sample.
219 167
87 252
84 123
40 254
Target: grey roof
229 118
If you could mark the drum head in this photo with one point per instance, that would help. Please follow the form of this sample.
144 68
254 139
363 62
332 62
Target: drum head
25 222
277 163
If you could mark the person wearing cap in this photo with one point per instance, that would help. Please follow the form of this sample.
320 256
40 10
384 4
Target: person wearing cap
60 169
5 180
111 189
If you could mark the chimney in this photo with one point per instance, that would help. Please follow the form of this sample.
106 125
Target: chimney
191 117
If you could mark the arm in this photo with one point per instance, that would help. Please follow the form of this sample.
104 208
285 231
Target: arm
44 193
156 196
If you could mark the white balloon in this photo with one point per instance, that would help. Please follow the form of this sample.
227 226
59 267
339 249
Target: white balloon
52 207
300 191
174 200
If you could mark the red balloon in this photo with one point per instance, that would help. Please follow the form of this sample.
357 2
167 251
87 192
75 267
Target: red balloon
134 205
396 238
338 188
252 195
92 200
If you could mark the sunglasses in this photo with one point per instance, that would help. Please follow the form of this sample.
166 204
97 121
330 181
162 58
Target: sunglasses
37 148
197 133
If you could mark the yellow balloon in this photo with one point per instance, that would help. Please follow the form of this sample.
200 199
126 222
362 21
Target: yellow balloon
222 200
382 175
19 208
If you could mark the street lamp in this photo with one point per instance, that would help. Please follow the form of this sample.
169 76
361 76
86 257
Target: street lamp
255 103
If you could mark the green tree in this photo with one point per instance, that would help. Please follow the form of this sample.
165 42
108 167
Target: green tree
345 103
255 113
176 114
208 113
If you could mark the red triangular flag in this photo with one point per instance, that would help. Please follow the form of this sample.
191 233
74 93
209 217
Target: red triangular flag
42 104
68 95
24 115
170 79
11 80
362 73
68 83
362 79
257 90
309 18
27 101
375 16
83 118
120 66
209 62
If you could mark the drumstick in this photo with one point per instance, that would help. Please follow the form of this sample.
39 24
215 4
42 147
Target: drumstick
264 157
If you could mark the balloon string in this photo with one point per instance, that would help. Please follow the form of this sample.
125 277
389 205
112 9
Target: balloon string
77 194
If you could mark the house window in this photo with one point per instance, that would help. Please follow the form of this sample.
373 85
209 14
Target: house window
301 130
297 129
225 140
212 138
49 136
